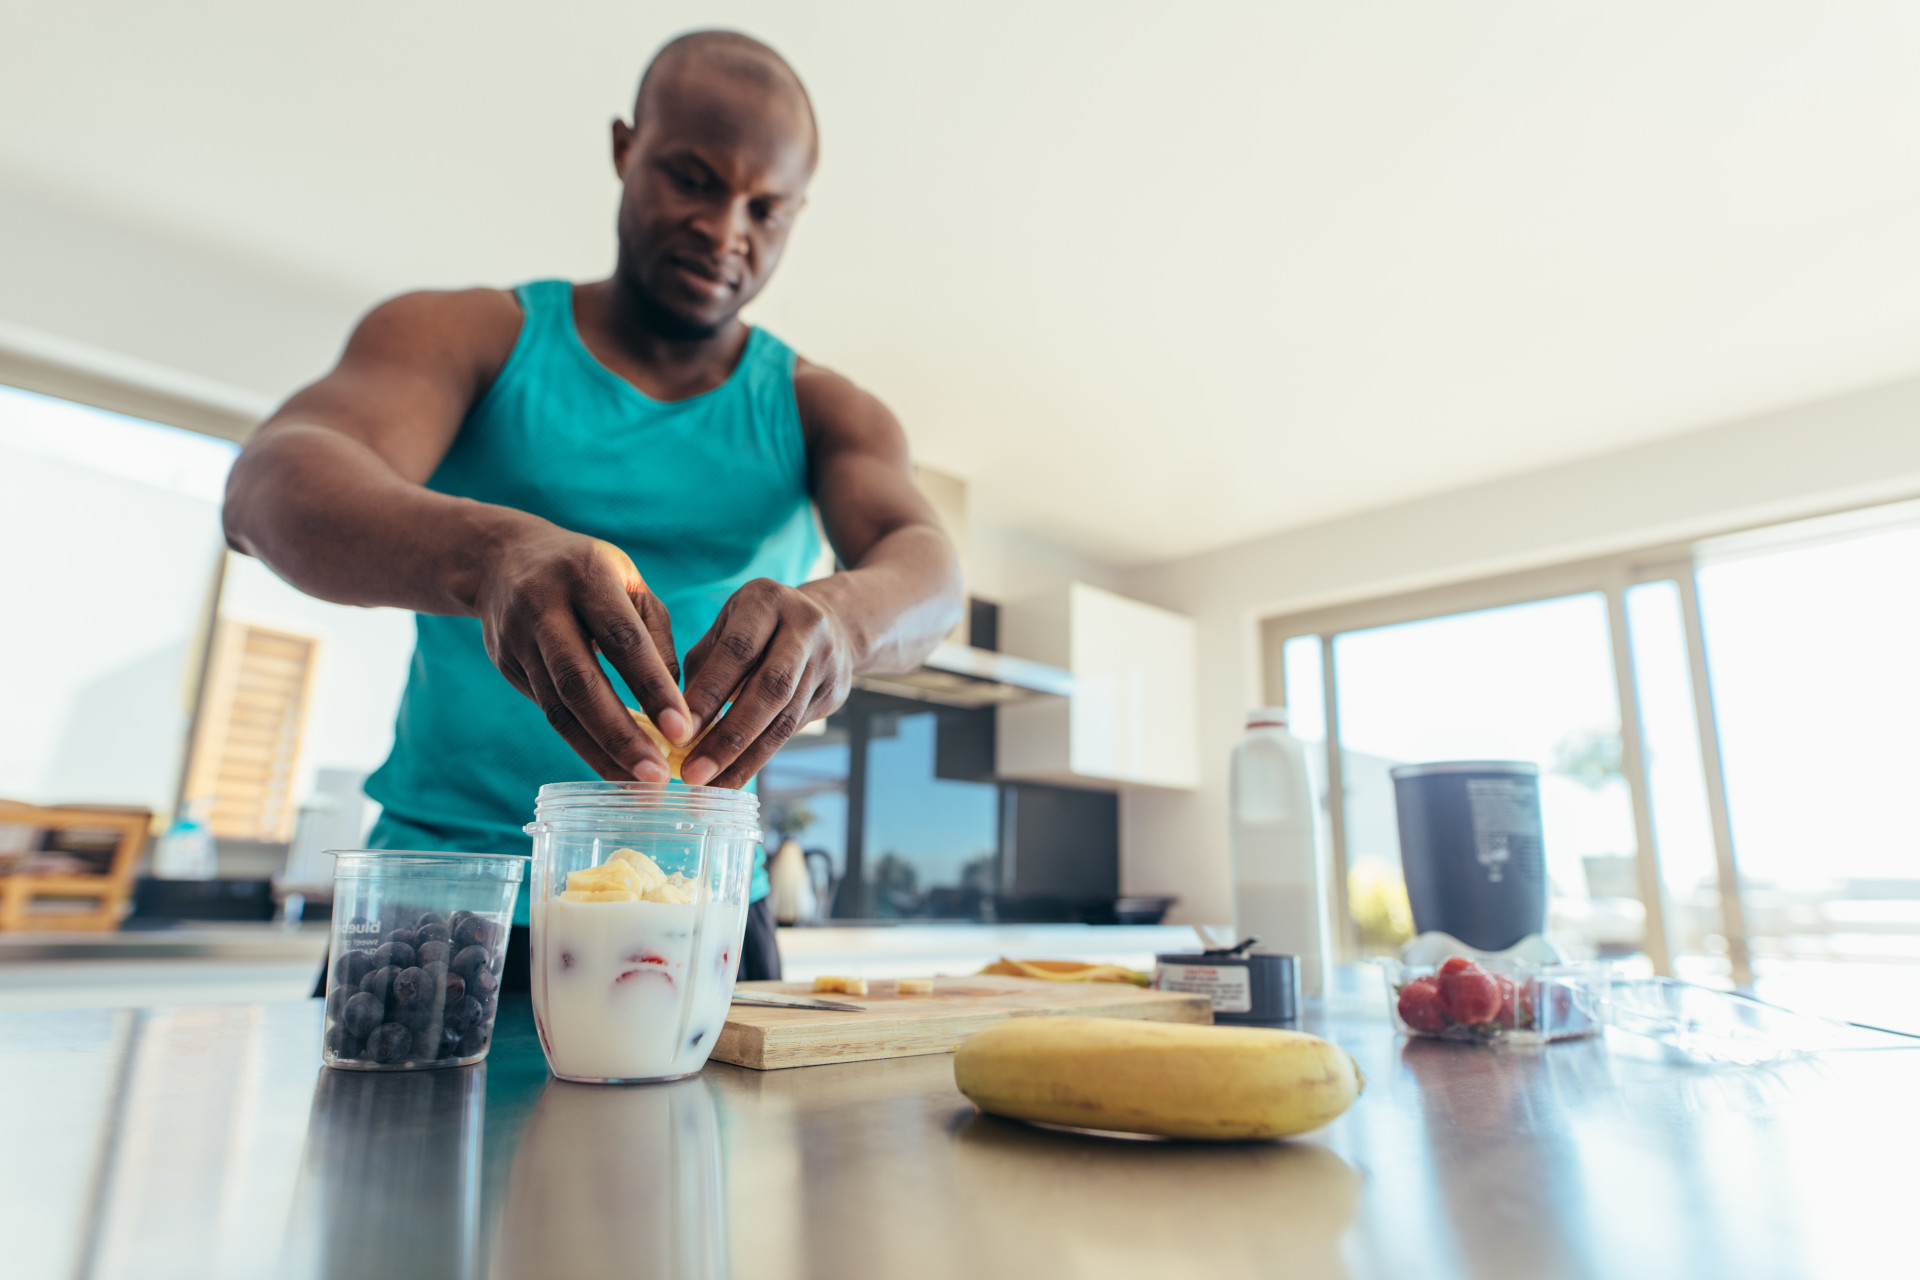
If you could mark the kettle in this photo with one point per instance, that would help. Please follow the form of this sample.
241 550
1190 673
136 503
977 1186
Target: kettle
791 883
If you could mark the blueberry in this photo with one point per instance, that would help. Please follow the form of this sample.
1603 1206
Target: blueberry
432 919
449 1043
379 983
405 937
433 951
343 1043
393 953
434 933
483 982
459 918
418 1021
352 966
474 1039
389 1042
469 961
456 989
337 1002
413 989
364 1012
474 931
463 1013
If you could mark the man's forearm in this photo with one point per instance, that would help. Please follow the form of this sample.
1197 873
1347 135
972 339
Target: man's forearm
900 601
329 516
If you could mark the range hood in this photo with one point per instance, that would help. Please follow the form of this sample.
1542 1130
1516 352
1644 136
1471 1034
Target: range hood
962 675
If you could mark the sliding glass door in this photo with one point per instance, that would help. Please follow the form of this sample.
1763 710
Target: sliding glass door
1743 814
1531 682
1815 660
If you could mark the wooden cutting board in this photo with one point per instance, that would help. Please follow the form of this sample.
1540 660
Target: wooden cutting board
896 1026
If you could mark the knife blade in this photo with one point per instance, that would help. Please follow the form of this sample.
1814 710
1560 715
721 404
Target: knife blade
780 1000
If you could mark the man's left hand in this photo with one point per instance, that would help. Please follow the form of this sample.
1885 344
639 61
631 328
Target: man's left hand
784 658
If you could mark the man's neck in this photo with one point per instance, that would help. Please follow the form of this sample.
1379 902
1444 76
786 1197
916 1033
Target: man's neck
629 335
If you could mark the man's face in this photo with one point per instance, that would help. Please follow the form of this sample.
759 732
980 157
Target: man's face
714 173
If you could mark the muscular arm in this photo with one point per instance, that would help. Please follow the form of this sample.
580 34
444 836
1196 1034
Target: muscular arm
330 491
901 590
792 652
331 494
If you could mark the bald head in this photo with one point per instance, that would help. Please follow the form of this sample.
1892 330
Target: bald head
732 54
714 169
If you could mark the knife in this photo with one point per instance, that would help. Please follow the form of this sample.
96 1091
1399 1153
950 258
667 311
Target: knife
779 1000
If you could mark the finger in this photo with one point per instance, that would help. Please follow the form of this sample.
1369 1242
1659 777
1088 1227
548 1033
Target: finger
766 701
801 712
516 674
581 695
653 614
728 652
620 630
541 690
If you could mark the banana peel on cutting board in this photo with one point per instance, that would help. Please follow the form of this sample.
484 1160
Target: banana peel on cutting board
1067 971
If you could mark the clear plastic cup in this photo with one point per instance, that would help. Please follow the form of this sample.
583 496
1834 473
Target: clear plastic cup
628 990
413 971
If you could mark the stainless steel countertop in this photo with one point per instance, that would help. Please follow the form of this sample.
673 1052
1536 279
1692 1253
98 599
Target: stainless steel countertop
206 1141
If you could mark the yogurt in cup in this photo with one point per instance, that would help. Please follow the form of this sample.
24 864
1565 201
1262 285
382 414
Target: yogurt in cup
639 902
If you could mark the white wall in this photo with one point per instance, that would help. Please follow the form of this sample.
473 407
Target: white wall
1007 564
1855 449
185 306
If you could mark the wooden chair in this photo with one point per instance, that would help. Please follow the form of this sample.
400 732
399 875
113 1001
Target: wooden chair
25 876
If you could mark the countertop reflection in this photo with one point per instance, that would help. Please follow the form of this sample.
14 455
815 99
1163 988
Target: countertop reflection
207 1141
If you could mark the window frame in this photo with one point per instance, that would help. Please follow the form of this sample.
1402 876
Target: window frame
1609 576
80 374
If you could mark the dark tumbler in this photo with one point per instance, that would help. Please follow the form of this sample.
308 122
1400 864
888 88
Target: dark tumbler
1471 849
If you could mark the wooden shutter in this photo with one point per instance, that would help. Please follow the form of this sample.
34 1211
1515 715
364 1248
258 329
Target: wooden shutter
253 716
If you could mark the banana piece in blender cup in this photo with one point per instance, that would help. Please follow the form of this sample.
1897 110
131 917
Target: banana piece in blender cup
627 876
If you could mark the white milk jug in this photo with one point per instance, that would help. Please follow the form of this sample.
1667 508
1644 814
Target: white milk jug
1279 889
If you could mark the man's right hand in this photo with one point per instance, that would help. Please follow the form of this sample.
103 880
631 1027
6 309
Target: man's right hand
547 598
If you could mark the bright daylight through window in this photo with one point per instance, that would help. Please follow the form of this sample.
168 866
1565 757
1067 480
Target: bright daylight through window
1806 642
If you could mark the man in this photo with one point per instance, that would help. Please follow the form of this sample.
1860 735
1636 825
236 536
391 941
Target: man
569 483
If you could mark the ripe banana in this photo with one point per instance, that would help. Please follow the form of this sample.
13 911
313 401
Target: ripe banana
1174 1079
676 756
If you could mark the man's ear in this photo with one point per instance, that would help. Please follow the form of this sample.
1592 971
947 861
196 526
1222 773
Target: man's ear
623 135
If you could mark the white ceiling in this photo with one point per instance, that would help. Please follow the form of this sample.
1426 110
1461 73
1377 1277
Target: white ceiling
1155 277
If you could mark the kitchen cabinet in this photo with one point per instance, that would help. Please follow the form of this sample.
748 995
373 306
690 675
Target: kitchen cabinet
1132 716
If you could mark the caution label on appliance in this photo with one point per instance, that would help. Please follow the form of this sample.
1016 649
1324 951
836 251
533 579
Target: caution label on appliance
1229 986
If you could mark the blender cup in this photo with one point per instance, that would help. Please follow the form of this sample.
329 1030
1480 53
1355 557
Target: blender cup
639 903
413 973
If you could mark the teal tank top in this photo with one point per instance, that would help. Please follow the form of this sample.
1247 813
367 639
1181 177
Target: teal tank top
704 494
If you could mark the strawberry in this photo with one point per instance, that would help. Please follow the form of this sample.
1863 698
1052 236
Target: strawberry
1516 1002
1455 965
1468 994
1420 1005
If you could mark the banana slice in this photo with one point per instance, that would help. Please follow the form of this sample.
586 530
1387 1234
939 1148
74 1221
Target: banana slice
676 756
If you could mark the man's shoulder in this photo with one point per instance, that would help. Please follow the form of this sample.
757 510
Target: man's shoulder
471 331
470 313
836 410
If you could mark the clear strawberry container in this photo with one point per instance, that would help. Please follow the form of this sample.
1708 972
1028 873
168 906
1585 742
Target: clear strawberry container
1496 1000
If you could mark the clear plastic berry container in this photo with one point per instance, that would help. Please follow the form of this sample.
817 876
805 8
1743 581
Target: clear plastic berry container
639 902
1496 1000
413 970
